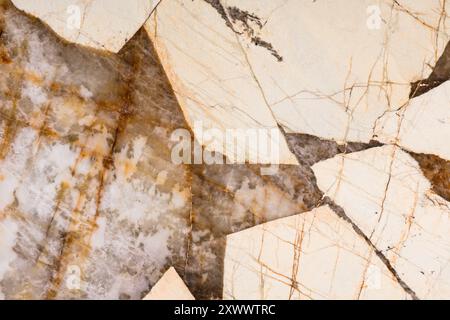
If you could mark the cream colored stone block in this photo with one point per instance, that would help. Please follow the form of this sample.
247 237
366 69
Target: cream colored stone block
313 255
383 191
170 287
101 24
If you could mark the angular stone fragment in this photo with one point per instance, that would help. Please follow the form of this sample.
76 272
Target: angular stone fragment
313 255
325 68
212 78
422 125
100 24
170 287
383 191
230 198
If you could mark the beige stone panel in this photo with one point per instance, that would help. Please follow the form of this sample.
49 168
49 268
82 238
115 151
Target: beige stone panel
170 287
212 77
101 24
313 255
383 191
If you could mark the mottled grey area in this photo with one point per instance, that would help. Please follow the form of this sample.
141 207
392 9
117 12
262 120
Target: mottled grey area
99 213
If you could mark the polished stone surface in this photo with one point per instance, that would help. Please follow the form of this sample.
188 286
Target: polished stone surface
95 204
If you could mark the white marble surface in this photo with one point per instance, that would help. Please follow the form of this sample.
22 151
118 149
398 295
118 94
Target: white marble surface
93 205
100 24
383 191
334 72
313 255
422 125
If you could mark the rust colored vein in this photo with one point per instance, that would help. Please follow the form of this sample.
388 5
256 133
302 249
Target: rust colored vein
10 130
76 245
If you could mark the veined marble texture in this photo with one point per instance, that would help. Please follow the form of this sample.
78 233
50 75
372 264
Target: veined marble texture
85 21
94 205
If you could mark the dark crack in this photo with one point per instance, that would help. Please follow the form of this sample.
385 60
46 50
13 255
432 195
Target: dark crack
311 149
245 24
341 213
439 75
